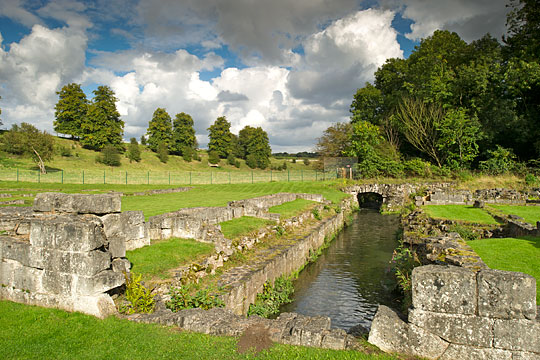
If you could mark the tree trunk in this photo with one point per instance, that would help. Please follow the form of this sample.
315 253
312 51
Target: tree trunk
40 162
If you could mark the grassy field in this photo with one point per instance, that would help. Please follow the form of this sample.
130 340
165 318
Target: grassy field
242 226
292 208
511 254
155 261
530 214
459 212
29 332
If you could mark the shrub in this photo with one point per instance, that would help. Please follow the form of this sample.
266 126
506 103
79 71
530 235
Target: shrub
417 167
237 164
531 180
187 154
109 156
404 260
251 161
306 161
133 152
213 157
139 297
163 152
231 160
316 214
65 151
205 299
294 161
196 156
466 233
500 161
272 297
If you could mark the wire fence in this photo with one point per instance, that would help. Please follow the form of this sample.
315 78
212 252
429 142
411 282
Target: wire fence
163 177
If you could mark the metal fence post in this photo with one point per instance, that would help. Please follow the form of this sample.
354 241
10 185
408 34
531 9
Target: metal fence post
252 176
148 178
288 175
38 177
17 174
83 177
62 176
126 177
103 177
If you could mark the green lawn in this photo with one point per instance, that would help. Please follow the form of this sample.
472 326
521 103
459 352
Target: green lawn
155 260
459 212
292 208
511 254
29 332
530 214
243 225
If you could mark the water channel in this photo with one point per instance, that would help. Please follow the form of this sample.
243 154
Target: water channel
351 277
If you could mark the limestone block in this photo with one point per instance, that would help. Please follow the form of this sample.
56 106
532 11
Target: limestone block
15 249
80 263
68 233
391 334
27 279
101 282
334 339
128 227
307 331
77 203
57 283
100 306
7 269
522 355
463 352
506 294
121 265
521 335
454 328
446 289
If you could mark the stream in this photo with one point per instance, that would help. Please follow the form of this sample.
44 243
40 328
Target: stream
351 277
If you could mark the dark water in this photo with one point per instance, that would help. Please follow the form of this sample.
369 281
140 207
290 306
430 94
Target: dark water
351 278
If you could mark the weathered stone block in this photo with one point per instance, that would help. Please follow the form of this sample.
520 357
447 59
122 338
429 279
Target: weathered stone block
455 328
307 331
57 283
101 305
77 203
391 334
27 279
334 339
463 352
522 355
506 294
15 249
80 263
128 227
447 289
68 233
101 282
521 335
121 265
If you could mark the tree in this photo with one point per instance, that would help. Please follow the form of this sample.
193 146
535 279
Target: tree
159 130
109 156
367 105
102 124
143 140
183 134
28 140
336 140
163 152
133 152
220 137
255 147
70 110
523 24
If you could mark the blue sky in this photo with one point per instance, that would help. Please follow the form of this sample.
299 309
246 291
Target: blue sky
290 66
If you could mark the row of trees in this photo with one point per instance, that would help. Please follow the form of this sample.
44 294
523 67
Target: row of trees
456 105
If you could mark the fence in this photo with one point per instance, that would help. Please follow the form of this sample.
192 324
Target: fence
162 177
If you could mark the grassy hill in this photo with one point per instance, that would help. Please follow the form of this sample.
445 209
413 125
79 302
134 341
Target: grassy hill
81 158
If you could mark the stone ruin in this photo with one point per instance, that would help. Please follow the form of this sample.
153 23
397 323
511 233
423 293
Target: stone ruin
68 251
462 314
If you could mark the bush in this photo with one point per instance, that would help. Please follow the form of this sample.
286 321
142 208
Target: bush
205 299
231 160
133 152
196 156
466 233
306 161
272 297
316 214
404 260
532 180
251 161
500 161
294 161
237 164
65 151
109 156
140 298
163 153
187 154
417 167
213 157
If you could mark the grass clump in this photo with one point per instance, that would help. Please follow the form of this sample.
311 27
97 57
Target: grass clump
292 208
530 214
182 298
244 225
460 213
155 261
511 254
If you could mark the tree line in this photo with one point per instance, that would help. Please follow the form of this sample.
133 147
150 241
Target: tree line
450 106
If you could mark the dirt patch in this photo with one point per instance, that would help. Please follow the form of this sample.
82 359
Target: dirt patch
255 338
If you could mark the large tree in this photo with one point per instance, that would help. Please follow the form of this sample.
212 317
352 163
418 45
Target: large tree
220 137
102 124
70 110
336 140
27 139
255 147
159 130
183 135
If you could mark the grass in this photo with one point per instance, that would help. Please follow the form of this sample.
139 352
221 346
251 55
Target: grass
242 226
460 213
530 214
56 334
155 261
292 208
511 254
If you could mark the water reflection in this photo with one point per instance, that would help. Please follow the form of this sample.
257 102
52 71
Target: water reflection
350 279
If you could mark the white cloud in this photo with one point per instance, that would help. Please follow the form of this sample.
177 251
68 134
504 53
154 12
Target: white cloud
14 10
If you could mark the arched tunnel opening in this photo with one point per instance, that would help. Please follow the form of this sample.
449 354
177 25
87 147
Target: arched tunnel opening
370 200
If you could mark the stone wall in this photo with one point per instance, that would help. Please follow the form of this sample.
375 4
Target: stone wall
462 314
449 196
62 254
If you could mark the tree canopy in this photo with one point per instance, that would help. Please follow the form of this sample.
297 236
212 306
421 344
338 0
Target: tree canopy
254 147
159 130
70 110
220 137
183 135
27 139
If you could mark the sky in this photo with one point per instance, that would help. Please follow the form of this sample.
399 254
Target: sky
289 66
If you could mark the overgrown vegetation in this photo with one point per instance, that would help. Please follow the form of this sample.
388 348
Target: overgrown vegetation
184 297
139 298
272 297
404 260
242 226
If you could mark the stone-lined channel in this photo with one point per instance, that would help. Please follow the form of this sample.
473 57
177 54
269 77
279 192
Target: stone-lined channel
351 277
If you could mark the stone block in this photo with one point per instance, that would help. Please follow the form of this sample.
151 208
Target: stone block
506 294
334 339
128 227
446 289
28 279
454 328
57 283
520 335
391 334
463 352
68 233
121 265
77 203
80 263
100 306
15 249
101 282
308 331
522 355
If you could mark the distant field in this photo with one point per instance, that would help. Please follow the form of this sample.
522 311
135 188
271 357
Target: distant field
459 212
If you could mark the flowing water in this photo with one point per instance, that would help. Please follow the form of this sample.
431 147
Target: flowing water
351 277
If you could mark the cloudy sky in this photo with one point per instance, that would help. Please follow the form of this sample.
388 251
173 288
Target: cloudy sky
290 66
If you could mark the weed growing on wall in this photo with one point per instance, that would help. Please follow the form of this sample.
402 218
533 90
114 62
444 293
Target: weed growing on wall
272 297
404 260
182 298
465 232
139 298
316 214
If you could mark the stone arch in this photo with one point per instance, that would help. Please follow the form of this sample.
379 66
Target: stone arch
370 200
